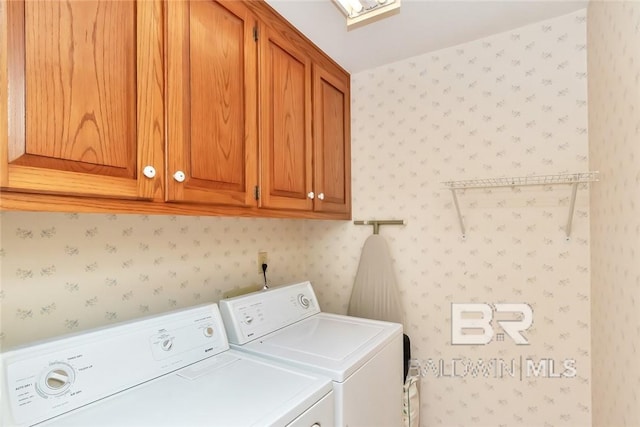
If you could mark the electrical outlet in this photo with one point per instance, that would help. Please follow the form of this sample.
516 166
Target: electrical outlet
262 259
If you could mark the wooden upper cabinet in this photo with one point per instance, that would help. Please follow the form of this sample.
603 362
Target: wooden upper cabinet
211 102
285 145
84 97
220 106
331 138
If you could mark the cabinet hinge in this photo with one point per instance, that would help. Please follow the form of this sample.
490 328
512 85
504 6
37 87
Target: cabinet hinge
256 192
255 34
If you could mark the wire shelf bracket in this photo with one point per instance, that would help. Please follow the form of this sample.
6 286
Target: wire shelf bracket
573 179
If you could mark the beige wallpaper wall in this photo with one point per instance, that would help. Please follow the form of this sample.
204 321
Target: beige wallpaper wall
614 138
509 105
68 272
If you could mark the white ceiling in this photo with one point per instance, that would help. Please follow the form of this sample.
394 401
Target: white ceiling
421 26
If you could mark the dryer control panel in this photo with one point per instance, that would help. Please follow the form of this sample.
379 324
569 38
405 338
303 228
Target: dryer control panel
48 379
255 315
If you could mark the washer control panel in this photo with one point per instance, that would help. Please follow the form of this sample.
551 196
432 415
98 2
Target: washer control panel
255 315
55 377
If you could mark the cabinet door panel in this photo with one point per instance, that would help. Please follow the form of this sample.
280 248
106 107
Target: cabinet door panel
288 133
332 178
80 85
75 74
217 130
212 106
286 125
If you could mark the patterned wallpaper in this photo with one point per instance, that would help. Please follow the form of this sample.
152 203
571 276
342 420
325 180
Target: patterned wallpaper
68 272
614 139
512 104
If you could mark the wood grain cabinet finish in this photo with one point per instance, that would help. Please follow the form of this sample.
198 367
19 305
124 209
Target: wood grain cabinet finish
196 107
211 102
286 144
84 97
332 146
305 134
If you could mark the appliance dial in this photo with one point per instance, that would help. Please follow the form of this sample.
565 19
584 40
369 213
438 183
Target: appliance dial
248 319
56 379
166 344
304 301
208 331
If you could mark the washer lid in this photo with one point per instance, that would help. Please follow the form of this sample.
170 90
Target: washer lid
330 344
230 389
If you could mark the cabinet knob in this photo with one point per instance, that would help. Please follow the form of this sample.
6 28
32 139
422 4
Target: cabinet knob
311 195
321 196
149 171
179 176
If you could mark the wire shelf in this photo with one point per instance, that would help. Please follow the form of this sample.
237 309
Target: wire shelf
561 178
513 181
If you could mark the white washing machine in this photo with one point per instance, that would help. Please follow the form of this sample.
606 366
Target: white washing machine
171 370
363 357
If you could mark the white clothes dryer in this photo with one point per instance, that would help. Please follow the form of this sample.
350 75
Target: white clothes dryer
363 357
170 370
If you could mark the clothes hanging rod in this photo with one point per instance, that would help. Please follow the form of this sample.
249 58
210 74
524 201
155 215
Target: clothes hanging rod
376 223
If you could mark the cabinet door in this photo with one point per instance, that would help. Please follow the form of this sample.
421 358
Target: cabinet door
82 97
212 102
285 102
331 139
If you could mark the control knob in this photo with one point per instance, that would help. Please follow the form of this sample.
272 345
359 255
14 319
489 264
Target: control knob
166 344
56 380
304 301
